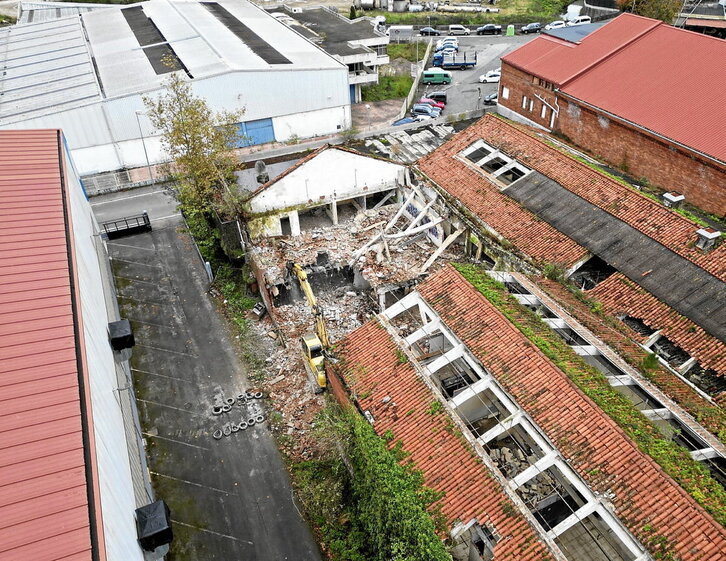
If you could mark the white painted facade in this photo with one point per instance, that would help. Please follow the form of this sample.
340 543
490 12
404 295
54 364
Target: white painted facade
112 456
331 177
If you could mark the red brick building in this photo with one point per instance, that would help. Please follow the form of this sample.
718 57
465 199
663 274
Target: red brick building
640 94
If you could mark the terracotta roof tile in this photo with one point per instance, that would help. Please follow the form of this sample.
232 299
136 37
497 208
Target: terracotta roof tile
536 238
620 296
448 465
636 480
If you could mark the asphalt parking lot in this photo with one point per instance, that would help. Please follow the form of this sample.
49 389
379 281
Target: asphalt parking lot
229 498
465 93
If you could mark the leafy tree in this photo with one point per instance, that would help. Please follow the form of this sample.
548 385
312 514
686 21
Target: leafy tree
665 10
198 142
353 13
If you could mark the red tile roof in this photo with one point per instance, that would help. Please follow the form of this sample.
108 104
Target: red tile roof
617 336
620 296
44 512
481 196
371 367
593 444
537 238
634 67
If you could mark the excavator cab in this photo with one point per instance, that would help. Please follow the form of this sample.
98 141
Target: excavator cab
313 351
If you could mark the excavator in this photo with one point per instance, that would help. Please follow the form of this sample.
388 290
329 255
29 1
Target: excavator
314 345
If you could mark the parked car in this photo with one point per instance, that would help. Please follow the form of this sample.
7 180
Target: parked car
491 77
491 99
447 39
579 20
438 96
429 31
425 109
532 28
440 104
447 51
404 121
557 24
447 47
489 29
457 29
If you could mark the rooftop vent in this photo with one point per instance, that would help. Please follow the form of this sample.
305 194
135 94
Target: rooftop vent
672 199
153 525
263 175
121 335
707 238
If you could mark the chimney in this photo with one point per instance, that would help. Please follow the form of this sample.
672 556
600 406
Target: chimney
672 199
707 238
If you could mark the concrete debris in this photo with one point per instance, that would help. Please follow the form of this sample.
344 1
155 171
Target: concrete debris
408 146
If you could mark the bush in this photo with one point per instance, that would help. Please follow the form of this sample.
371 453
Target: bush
388 87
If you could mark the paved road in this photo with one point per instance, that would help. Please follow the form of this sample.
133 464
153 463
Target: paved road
464 91
231 498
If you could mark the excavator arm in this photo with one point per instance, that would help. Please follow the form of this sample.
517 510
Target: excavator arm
320 329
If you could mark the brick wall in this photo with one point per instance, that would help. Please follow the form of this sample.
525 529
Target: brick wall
672 169
520 84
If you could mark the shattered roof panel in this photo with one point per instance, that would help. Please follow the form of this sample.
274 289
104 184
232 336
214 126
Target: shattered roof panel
621 297
593 444
448 465
678 282
482 197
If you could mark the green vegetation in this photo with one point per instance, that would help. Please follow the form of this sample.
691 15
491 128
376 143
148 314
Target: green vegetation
664 10
409 51
367 505
511 11
674 460
6 20
388 87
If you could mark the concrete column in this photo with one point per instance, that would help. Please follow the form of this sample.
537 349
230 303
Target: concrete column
294 224
334 212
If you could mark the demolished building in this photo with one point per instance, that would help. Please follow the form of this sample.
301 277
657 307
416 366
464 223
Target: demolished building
530 466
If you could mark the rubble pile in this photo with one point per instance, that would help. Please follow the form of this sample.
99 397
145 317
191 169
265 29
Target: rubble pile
512 461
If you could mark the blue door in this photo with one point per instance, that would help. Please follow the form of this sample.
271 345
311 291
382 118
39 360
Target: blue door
352 93
256 132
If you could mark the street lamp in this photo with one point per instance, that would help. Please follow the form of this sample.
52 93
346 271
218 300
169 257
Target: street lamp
368 109
143 143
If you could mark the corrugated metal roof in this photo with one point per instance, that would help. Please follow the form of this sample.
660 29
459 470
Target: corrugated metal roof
670 81
46 68
664 79
38 12
558 61
44 512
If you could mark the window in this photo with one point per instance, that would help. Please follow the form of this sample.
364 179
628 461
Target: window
531 104
524 102
544 111
495 163
505 93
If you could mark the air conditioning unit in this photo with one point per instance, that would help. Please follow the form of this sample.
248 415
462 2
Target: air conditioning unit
153 525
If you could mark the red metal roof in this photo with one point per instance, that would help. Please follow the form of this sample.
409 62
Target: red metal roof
44 513
593 444
670 81
667 80
558 61
372 368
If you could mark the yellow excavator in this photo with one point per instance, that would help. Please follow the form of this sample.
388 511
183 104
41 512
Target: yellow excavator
314 345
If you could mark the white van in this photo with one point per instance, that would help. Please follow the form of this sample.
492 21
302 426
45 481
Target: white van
457 29
579 20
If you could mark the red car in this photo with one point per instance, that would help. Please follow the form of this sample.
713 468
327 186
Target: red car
431 102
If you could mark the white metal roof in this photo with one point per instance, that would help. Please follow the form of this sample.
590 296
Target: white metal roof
38 12
46 67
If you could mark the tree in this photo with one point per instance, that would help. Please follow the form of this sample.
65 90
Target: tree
353 13
665 10
199 143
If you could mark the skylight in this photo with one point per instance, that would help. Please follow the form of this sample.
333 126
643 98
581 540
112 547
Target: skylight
495 163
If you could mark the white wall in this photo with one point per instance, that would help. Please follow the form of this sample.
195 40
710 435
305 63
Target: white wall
331 175
116 488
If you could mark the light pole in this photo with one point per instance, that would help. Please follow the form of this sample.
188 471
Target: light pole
368 109
143 143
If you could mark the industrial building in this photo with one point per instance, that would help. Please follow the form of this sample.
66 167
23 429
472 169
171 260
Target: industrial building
612 92
88 73
356 43
72 462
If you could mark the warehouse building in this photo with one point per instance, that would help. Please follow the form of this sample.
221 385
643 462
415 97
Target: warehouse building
72 462
88 73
